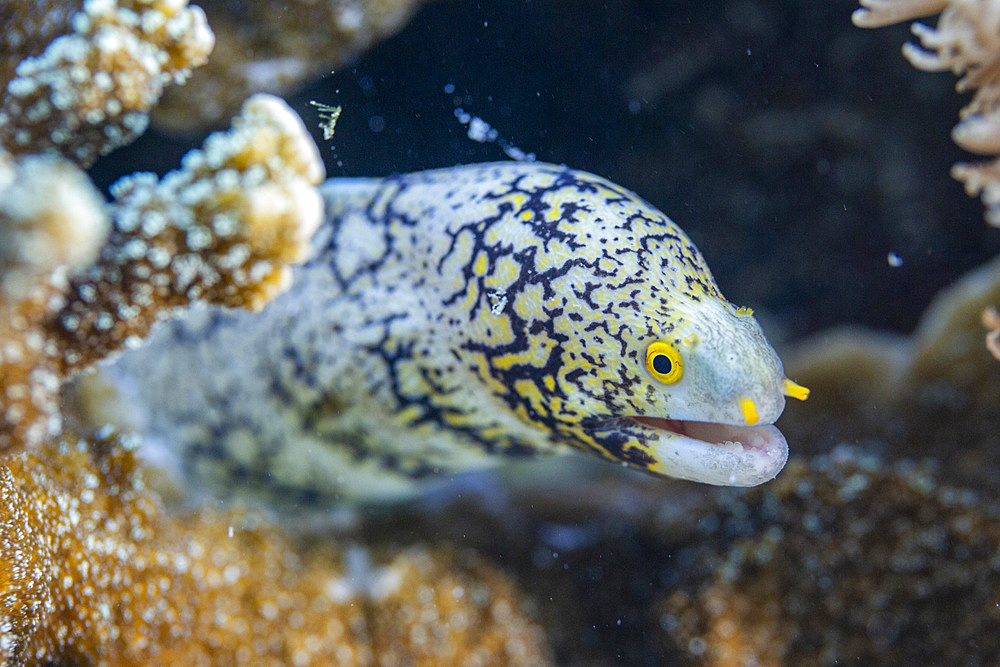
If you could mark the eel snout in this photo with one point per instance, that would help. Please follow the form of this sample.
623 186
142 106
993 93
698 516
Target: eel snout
713 453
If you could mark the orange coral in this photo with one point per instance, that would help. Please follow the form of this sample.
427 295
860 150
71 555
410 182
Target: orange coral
221 229
965 41
991 320
887 568
93 572
81 82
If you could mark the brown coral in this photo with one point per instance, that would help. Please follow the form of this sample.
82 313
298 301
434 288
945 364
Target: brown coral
93 572
221 229
81 82
845 559
273 47
933 393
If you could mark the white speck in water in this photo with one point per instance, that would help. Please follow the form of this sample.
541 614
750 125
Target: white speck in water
894 260
230 531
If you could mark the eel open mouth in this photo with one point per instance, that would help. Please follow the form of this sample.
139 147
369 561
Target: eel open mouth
721 454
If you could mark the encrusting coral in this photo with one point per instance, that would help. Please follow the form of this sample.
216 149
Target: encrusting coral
933 393
92 569
81 81
220 229
93 572
272 47
889 568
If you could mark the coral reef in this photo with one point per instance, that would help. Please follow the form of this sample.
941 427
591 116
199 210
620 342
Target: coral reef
81 81
93 572
966 41
933 393
220 229
991 320
274 47
846 558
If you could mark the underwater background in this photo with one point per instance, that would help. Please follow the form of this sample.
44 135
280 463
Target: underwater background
809 162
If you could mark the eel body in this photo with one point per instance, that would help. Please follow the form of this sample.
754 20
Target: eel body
453 317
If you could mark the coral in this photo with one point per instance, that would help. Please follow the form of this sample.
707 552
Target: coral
221 229
845 558
93 572
966 41
933 393
81 82
991 320
273 47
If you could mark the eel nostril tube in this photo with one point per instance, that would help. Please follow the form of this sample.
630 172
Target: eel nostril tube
789 388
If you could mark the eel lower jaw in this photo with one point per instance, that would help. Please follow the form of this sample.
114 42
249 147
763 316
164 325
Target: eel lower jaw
711 453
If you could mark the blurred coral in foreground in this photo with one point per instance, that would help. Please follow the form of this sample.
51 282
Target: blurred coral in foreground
81 82
94 572
220 229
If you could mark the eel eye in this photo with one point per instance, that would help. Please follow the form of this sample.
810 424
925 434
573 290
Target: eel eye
664 362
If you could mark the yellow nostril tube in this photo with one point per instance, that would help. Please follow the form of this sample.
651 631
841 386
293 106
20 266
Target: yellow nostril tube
749 410
789 388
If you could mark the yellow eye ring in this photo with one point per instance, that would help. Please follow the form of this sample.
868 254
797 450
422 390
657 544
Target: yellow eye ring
664 362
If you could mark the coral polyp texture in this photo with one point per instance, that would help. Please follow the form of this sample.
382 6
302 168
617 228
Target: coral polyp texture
80 81
890 568
93 572
270 46
221 229
932 393
966 41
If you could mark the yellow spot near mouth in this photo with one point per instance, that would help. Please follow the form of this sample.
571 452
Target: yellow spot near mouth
789 388
749 410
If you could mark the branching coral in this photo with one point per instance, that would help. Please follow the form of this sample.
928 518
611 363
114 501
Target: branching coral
270 46
93 572
991 320
81 83
220 229
966 41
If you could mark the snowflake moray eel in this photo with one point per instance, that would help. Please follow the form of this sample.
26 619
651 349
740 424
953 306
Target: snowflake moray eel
448 318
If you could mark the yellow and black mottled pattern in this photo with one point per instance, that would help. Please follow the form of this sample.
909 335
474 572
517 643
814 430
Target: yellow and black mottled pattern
448 316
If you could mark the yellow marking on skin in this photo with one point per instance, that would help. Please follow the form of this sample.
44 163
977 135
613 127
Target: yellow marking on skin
526 303
749 410
472 294
481 265
536 355
411 413
789 388
550 382
505 272
460 254
500 332
745 312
